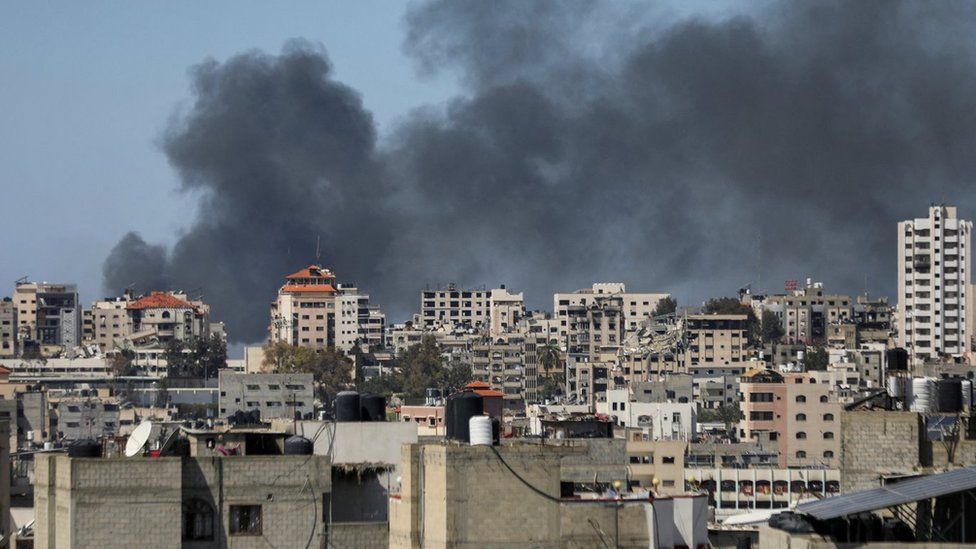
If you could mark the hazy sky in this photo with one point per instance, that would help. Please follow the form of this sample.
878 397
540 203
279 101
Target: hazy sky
87 89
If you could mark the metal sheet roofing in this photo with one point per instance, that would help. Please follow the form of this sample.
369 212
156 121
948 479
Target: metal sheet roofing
916 489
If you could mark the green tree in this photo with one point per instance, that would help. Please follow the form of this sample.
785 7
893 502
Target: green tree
772 328
666 306
457 375
121 362
729 414
549 387
549 357
202 357
732 306
422 366
815 359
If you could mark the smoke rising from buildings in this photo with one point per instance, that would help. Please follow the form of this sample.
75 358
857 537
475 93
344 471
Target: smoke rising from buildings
589 142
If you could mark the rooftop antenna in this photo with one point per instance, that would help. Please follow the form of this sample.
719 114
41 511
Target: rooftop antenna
759 263
318 249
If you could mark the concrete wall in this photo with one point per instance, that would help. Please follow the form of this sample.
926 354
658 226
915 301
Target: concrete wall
4 478
136 502
365 535
876 443
275 395
359 443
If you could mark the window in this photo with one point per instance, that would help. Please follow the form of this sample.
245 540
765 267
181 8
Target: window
801 417
801 455
801 435
828 436
667 459
828 417
245 520
828 454
760 416
801 399
253 387
198 520
823 398
760 397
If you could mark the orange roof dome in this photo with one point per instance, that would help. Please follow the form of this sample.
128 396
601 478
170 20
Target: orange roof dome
159 300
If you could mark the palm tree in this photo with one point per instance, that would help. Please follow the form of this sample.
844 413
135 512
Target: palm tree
549 357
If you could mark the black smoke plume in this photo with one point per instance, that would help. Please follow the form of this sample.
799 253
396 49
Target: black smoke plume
592 141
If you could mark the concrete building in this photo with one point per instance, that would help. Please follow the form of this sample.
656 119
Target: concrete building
660 420
796 412
497 310
520 503
501 363
79 418
805 313
634 307
8 328
5 527
48 316
934 256
313 310
665 388
716 341
212 501
274 395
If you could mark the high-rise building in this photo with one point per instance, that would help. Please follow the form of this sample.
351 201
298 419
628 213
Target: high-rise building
933 285
48 316
313 310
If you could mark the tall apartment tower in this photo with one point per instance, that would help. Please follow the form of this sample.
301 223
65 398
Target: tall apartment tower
933 285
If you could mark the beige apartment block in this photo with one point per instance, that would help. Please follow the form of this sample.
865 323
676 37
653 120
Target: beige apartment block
634 307
496 310
934 257
796 412
48 316
313 310
806 312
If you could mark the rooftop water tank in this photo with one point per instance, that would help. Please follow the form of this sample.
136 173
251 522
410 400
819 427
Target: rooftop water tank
466 405
922 398
897 359
85 448
298 446
949 393
373 407
347 407
895 386
449 417
479 428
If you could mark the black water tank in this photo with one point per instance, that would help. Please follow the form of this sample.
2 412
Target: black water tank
466 406
373 407
897 359
347 406
85 448
298 446
949 393
496 431
449 416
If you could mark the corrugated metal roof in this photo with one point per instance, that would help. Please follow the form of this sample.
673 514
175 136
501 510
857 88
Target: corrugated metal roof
907 491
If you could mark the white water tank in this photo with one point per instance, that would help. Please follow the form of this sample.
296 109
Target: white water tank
967 394
922 395
479 428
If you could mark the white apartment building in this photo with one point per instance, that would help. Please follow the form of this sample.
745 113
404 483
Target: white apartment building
48 316
933 285
661 420
498 310
635 307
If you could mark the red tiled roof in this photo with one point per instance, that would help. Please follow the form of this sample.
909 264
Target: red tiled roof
312 271
481 388
159 300
5 371
307 288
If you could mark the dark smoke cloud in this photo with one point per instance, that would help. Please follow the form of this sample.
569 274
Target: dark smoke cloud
591 142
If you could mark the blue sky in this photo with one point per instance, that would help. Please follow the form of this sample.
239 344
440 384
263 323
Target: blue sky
86 90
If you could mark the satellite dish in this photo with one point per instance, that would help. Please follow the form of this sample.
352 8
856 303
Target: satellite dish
138 439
